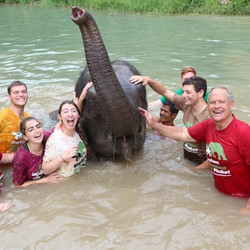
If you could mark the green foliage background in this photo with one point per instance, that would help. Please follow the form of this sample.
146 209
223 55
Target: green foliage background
233 7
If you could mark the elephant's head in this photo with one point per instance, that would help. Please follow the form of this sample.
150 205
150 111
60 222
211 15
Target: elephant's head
110 118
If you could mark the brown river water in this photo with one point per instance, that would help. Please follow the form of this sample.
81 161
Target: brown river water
156 200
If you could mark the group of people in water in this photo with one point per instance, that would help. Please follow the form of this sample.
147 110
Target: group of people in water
39 156
213 137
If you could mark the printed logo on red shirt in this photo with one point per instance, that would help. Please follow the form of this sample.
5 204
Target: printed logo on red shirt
215 150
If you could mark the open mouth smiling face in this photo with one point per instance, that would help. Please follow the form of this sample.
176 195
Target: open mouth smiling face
69 116
38 136
18 95
71 122
219 106
34 131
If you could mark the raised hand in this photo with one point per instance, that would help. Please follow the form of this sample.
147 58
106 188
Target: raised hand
139 79
78 101
150 119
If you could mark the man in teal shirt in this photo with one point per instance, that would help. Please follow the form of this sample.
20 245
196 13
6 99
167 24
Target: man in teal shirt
186 72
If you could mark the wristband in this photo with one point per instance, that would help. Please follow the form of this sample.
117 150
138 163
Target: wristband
62 158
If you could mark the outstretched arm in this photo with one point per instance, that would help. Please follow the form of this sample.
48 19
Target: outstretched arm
52 178
203 165
156 86
79 101
176 133
246 209
7 158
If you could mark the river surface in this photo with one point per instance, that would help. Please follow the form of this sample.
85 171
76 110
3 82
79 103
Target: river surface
156 200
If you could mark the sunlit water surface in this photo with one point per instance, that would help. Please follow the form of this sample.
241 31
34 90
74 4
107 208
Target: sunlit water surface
155 201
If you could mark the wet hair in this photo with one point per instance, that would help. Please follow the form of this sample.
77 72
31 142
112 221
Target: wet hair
229 93
186 70
68 102
15 83
173 109
198 82
23 124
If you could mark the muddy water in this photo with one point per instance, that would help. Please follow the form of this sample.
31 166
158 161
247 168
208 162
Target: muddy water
155 201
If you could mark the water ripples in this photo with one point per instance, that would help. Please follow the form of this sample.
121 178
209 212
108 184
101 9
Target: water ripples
156 201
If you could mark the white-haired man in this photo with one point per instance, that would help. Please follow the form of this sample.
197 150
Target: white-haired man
227 143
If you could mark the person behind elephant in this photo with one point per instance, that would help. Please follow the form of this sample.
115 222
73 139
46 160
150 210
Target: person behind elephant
227 143
65 152
186 72
10 117
194 109
168 113
27 162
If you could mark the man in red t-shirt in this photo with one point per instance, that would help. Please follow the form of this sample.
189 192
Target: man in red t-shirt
227 143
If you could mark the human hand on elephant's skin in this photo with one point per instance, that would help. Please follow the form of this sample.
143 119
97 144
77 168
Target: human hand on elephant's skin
150 119
139 79
79 101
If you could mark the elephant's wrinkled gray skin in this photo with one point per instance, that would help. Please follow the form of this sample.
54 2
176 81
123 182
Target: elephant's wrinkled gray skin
110 117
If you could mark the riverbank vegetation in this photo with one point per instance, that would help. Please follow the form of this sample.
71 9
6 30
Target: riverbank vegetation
221 7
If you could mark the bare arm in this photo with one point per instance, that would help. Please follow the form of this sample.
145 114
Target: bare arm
51 166
203 165
52 178
246 209
79 101
156 86
176 133
4 206
7 158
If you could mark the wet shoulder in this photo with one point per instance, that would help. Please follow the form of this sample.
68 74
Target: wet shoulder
240 126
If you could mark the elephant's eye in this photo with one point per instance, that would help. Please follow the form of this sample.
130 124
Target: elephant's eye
91 103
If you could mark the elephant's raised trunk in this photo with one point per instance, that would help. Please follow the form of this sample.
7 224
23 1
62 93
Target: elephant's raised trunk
118 108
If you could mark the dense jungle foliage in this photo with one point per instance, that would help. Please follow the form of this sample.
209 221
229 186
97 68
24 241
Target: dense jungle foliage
221 7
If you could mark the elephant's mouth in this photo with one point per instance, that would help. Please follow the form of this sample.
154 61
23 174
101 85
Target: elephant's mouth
126 151
125 145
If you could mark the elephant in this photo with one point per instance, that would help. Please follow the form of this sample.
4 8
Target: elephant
110 120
